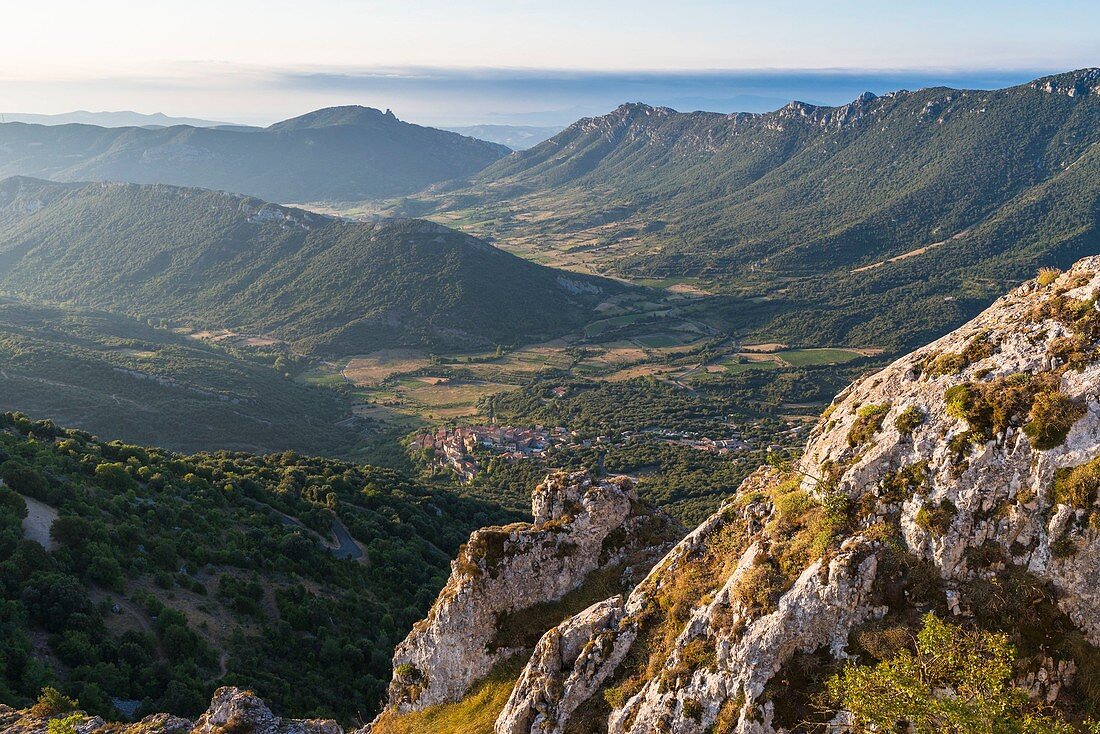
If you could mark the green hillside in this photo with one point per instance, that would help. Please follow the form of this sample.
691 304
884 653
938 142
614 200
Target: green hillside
120 378
806 208
339 154
205 259
167 575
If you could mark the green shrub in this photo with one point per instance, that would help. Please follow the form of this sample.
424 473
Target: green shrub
959 399
1077 486
908 420
868 422
936 518
956 681
52 702
66 725
1052 416
1047 276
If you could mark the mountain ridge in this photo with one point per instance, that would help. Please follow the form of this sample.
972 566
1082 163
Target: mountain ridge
843 212
337 154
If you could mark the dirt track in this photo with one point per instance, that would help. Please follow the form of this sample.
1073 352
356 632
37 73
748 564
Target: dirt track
36 525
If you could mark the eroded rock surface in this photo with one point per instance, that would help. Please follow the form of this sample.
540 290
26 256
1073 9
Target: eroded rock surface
581 526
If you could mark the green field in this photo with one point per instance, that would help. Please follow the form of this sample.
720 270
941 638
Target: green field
659 341
804 357
598 327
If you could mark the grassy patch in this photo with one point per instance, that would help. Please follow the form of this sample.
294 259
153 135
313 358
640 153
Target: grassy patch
1077 487
936 518
868 422
474 714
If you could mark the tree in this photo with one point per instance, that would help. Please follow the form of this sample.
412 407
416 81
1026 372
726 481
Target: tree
52 702
23 479
71 531
956 682
12 501
114 477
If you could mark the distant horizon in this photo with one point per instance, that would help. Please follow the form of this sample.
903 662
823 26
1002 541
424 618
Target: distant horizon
546 97
442 62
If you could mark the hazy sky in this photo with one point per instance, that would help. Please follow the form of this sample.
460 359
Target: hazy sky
451 60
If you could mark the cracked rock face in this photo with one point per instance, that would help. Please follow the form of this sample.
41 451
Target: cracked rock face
959 447
581 525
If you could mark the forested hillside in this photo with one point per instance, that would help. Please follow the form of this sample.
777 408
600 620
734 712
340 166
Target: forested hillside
205 259
134 578
335 154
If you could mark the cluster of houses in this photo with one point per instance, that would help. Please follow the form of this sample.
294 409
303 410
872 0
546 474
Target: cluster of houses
456 448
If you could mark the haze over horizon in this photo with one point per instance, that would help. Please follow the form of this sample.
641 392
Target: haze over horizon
518 63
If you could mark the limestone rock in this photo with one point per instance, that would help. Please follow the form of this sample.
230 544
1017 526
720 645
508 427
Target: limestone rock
581 525
233 711
997 489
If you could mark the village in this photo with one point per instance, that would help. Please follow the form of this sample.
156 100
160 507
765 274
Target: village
457 447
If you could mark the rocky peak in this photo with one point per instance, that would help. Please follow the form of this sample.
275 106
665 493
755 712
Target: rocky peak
335 116
584 529
561 495
831 118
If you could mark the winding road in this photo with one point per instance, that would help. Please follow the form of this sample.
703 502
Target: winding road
345 545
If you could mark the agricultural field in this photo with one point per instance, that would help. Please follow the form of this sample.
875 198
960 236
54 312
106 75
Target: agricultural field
803 357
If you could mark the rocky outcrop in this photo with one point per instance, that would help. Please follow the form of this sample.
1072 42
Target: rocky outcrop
232 711
581 526
979 400
968 464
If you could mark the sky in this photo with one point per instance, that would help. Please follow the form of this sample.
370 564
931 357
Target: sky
517 61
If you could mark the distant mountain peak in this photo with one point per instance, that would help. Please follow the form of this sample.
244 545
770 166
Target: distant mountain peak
335 116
